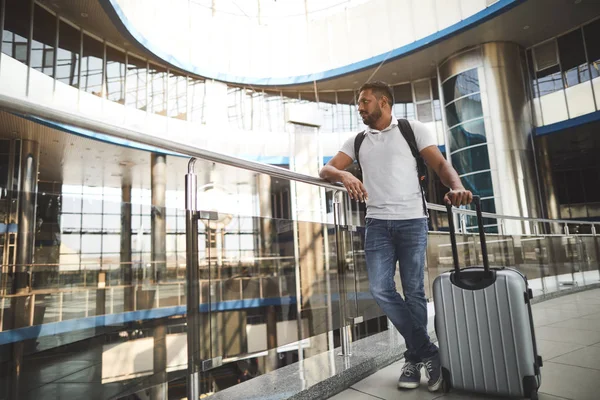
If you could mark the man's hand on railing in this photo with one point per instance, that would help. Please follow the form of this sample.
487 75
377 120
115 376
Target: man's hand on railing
356 189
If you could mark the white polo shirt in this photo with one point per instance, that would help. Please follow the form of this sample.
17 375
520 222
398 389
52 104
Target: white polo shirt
390 170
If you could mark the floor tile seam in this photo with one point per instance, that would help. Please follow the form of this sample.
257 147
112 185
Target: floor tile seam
553 395
569 352
368 394
572 365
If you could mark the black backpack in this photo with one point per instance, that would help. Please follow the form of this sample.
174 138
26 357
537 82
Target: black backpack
409 136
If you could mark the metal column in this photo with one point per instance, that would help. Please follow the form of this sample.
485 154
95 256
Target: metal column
159 227
341 261
192 283
126 266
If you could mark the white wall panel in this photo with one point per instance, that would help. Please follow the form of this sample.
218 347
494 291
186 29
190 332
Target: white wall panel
448 13
361 32
338 33
401 22
596 83
13 76
580 99
471 7
554 107
424 15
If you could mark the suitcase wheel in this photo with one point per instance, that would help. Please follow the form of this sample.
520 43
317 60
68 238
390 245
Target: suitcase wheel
534 396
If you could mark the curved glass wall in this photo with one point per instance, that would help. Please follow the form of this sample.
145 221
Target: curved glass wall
467 142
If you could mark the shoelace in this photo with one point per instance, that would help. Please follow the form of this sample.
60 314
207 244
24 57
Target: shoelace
410 369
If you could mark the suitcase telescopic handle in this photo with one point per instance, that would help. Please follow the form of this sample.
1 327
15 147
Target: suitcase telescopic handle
484 254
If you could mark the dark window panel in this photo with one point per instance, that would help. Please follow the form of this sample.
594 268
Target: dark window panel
572 58
592 42
115 75
67 65
403 93
480 183
591 179
44 40
574 187
92 65
16 30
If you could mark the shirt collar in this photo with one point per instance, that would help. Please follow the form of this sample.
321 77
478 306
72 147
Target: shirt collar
392 125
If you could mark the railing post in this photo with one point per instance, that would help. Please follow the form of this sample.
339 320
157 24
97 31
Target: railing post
339 244
193 298
566 229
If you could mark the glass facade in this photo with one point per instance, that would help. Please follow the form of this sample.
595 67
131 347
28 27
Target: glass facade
467 142
115 75
68 54
44 41
565 77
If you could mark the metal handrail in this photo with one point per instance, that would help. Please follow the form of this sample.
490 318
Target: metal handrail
36 111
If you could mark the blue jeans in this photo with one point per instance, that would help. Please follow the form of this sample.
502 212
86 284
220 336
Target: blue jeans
405 241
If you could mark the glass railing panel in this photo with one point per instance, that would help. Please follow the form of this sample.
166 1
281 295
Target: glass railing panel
590 264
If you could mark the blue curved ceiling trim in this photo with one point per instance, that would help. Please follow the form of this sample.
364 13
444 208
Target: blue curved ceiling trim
569 123
125 26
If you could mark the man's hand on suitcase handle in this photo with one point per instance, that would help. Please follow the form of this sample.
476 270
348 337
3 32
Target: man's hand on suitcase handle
458 197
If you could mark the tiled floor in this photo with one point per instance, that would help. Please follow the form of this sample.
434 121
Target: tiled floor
568 334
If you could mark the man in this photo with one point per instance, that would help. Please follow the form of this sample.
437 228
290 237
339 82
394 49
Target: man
396 222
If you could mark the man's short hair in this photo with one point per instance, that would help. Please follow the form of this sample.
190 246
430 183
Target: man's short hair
379 88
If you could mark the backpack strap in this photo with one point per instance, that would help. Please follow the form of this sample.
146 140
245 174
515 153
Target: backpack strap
409 136
360 137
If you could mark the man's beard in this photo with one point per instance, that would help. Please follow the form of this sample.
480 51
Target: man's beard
371 118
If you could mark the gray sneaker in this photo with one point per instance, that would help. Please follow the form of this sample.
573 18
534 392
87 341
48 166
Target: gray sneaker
411 376
433 370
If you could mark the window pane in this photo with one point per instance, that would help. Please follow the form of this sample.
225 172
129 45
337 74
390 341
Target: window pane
177 96
111 222
158 93
67 68
92 64
549 80
70 222
16 28
464 110
532 74
468 134
197 93
425 112
471 160
480 183
545 55
461 85
69 243
115 75
91 244
422 92
111 243
592 33
91 222
572 58
44 36
403 93
136 82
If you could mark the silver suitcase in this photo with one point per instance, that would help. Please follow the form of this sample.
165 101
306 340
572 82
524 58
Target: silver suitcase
484 327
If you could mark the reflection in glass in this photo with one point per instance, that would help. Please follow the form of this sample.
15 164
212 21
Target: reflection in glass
549 80
157 98
177 96
44 37
479 183
115 75
461 85
464 109
471 159
468 134
137 76
92 64
67 64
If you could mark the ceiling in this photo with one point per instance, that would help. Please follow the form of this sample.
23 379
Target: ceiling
543 19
